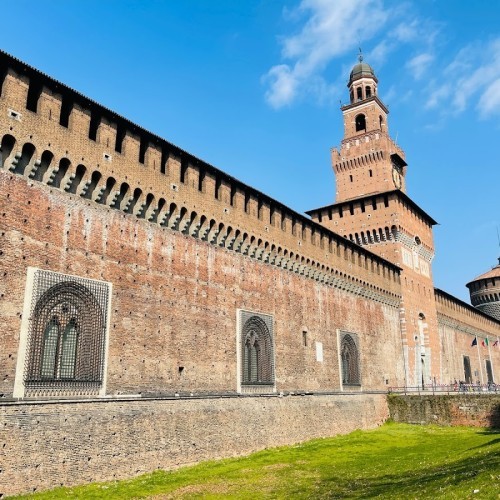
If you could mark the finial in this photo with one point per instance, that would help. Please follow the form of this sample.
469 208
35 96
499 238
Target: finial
360 57
498 236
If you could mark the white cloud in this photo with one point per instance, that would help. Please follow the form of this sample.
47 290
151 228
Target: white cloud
489 103
419 64
331 30
406 32
437 95
283 86
472 75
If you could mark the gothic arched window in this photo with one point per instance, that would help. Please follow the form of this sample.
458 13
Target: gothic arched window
350 361
67 334
257 354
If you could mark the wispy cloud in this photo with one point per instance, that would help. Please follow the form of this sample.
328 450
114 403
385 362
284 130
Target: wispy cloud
323 37
489 102
419 64
471 79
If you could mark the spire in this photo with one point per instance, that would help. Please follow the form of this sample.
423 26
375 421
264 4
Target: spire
360 56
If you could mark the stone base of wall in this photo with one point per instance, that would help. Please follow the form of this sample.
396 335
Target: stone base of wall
477 410
48 444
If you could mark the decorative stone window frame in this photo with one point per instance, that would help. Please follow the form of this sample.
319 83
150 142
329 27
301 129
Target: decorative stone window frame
64 338
254 324
343 337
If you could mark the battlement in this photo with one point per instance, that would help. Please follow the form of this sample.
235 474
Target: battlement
457 310
65 140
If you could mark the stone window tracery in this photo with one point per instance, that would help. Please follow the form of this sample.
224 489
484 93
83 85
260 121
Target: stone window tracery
257 349
349 355
66 335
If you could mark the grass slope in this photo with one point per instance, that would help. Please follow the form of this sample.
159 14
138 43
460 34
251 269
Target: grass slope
394 461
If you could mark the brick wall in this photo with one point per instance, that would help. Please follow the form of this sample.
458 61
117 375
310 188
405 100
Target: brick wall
175 299
45 445
474 409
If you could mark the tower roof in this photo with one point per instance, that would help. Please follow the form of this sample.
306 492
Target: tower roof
361 70
492 273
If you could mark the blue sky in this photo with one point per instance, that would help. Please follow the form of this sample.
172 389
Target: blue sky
253 87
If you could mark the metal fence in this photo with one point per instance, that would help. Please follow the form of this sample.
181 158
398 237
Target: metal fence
458 388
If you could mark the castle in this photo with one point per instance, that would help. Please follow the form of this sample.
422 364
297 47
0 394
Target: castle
145 292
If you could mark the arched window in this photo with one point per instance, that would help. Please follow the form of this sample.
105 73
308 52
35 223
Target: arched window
368 92
350 360
257 354
359 93
67 331
360 123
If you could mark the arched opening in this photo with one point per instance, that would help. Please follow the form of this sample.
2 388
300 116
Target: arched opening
133 202
360 123
109 186
80 172
368 91
350 361
119 199
380 121
26 156
359 93
61 172
94 179
44 165
6 148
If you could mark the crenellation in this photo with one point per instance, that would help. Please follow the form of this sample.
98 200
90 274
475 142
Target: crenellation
106 135
15 89
79 119
49 105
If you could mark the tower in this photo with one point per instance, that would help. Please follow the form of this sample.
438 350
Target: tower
485 292
373 210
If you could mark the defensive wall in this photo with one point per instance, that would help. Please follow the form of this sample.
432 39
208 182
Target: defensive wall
48 444
459 324
474 409
174 302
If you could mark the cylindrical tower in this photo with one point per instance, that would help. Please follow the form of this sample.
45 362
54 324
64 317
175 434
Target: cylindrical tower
485 292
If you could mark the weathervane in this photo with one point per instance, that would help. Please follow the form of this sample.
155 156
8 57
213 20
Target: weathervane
360 57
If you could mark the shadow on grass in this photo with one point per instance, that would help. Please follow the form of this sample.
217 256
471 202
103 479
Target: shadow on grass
489 443
420 483
495 417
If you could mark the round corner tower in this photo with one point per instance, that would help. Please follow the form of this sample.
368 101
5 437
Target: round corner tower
485 292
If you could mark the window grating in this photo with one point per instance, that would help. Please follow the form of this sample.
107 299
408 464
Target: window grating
257 349
349 355
67 334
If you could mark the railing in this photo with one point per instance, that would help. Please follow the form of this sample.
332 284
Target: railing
456 388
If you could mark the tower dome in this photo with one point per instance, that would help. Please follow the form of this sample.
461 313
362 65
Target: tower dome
361 70
362 81
485 292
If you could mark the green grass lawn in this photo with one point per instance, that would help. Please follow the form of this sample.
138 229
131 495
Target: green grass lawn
394 461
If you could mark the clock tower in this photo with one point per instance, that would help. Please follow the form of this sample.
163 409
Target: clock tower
373 210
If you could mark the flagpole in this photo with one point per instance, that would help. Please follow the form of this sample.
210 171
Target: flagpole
479 358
